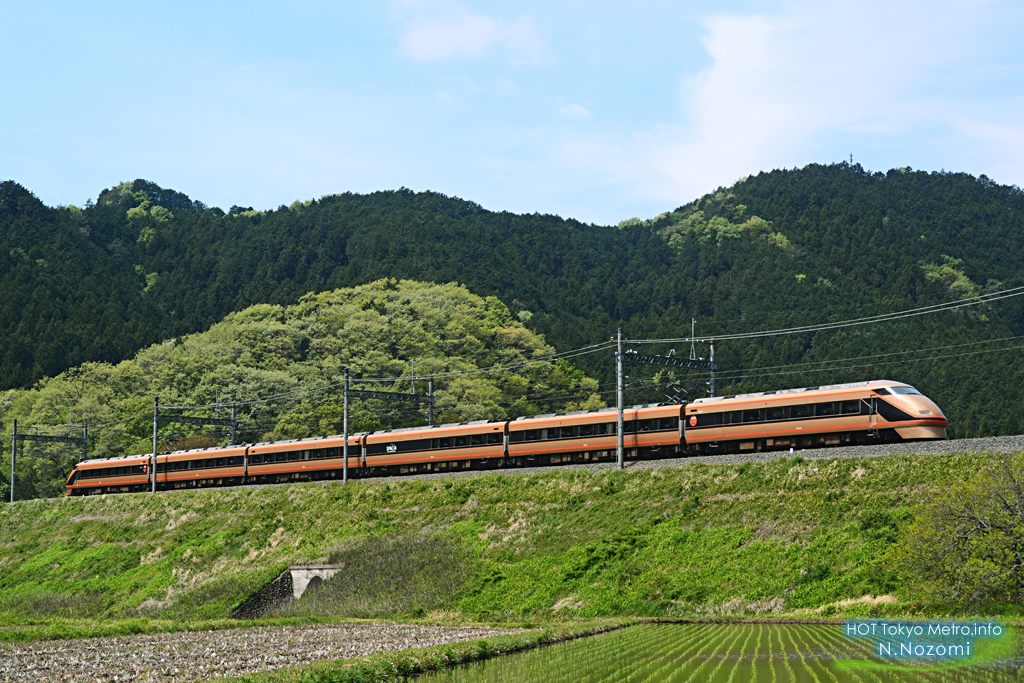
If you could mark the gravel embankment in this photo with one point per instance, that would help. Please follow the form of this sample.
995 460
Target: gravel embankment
201 656
995 444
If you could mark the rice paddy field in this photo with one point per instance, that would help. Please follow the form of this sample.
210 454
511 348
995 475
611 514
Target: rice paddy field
724 653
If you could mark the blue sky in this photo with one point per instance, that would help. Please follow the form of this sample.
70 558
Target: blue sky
596 111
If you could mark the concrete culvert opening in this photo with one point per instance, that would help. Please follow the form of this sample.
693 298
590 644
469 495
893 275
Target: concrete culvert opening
314 583
388 576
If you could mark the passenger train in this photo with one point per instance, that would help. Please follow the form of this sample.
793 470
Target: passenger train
840 414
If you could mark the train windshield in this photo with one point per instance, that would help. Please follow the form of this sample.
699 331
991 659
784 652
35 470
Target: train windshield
905 390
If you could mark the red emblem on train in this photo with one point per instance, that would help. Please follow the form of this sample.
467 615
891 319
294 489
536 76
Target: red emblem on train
693 420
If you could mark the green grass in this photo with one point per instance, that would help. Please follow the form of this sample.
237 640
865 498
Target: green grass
784 537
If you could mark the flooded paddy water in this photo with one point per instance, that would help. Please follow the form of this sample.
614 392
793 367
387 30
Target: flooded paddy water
726 653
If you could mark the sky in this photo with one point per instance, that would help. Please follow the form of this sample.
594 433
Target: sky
588 110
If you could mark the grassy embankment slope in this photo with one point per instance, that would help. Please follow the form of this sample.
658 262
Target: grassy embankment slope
780 537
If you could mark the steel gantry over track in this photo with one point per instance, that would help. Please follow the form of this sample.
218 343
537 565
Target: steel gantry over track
670 361
15 437
168 418
411 397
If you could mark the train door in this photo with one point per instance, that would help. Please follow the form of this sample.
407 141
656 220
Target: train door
873 411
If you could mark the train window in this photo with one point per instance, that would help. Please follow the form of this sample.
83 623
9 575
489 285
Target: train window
477 439
220 462
799 412
643 426
281 457
550 433
906 390
446 442
569 432
460 441
851 407
753 415
709 420
882 391
517 437
494 437
824 409
257 458
777 413
669 423
532 434
586 430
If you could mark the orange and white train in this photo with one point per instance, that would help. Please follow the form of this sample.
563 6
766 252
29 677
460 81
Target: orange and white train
814 417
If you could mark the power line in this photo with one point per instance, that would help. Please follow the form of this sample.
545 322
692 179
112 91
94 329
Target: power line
730 373
756 374
884 317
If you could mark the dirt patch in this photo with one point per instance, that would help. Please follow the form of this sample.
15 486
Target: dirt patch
168 657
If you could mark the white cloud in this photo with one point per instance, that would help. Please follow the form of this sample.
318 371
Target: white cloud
451 31
574 111
893 83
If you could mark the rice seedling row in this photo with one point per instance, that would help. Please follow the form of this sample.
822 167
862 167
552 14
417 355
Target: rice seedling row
725 653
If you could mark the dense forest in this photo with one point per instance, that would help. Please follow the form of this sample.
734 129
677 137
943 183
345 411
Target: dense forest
780 249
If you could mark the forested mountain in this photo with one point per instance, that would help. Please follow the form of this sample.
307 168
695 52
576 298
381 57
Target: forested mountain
776 250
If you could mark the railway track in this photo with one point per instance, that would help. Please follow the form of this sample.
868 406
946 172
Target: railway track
995 444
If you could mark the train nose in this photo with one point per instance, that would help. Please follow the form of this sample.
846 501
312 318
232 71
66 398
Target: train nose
921 405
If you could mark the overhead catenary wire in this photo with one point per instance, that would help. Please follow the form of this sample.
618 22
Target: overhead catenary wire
729 374
755 373
595 348
819 327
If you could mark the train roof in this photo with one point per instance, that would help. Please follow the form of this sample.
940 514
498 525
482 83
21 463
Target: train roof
121 458
447 425
782 392
575 413
310 439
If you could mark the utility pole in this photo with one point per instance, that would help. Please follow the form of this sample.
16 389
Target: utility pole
344 467
14 456
620 454
712 368
430 405
156 427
